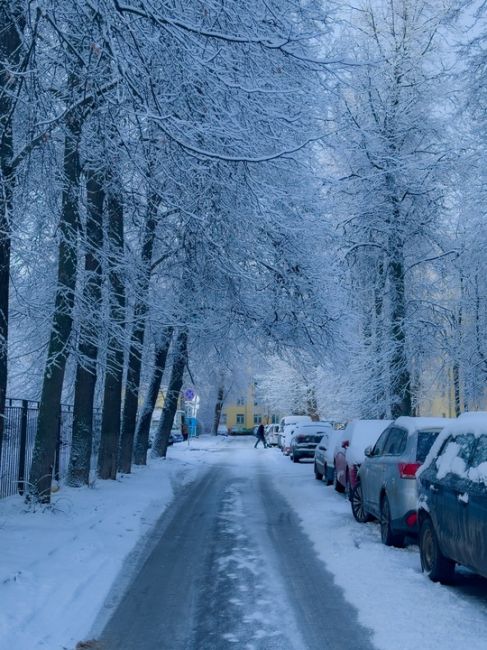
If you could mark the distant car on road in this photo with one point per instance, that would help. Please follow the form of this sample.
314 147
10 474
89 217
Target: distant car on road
324 453
222 430
387 485
452 500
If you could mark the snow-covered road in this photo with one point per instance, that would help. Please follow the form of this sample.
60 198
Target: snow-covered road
233 569
251 552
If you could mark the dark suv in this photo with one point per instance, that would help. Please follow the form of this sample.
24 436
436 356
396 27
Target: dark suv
452 504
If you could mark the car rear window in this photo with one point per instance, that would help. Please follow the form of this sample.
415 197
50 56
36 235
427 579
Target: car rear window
314 439
425 442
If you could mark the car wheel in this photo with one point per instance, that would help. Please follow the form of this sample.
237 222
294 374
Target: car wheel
389 537
336 483
328 481
437 567
357 502
318 475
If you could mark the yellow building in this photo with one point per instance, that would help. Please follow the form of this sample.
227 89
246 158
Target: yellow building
246 412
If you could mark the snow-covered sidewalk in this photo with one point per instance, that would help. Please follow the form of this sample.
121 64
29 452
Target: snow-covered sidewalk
57 566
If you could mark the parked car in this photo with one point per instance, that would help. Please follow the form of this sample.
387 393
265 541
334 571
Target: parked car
299 428
452 500
387 485
272 435
175 436
286 428
222 430
340 461
324 456
361 434
306 438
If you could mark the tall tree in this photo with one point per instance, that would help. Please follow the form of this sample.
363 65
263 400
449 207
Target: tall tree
86 370
171 398
145 418
112 391
12 23
48 421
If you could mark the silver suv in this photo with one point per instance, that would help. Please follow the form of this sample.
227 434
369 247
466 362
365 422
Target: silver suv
387 487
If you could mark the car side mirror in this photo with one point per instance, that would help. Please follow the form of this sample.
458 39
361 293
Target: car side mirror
369 451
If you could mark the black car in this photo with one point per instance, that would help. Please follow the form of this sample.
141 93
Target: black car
304 445
452 505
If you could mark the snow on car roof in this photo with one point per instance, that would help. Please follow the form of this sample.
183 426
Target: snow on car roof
312 425
474 422
412 424
362 434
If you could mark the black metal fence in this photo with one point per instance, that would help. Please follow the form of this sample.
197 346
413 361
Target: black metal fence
18 443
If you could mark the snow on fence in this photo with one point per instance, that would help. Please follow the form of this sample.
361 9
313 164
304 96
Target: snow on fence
18 443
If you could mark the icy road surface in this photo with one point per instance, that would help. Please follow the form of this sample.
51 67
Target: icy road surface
232 568
250 552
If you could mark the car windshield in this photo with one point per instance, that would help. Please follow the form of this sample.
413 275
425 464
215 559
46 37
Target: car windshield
425 442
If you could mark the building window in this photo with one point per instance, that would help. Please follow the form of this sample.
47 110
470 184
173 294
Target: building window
256 403
275 419
223 418
240 401
257 419
240 418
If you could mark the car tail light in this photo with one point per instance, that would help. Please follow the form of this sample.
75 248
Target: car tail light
412 519
408 470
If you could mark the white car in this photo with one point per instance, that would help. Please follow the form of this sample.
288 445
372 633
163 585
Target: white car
287 425
324 456
272 435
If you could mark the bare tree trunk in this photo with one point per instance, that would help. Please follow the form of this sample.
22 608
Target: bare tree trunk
400 374
112 393
50 404
171 402
84 391
218 408
143 425
12 21
137 343
456 389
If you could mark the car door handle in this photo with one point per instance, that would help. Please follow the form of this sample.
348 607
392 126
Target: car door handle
433 488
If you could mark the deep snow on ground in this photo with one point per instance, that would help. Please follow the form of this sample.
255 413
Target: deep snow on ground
404 608
58 565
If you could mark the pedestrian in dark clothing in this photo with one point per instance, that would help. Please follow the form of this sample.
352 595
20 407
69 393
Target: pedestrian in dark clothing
260 436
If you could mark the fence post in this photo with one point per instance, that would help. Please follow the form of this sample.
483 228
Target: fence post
23 445
58 447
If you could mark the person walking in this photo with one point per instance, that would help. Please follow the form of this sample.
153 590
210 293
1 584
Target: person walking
260 436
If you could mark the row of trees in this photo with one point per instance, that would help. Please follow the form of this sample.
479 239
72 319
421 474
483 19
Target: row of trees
405 191
193 186
147 150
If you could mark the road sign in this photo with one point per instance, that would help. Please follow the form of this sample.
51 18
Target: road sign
189 394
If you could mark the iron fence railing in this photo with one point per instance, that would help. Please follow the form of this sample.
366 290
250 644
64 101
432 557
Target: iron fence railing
18 443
